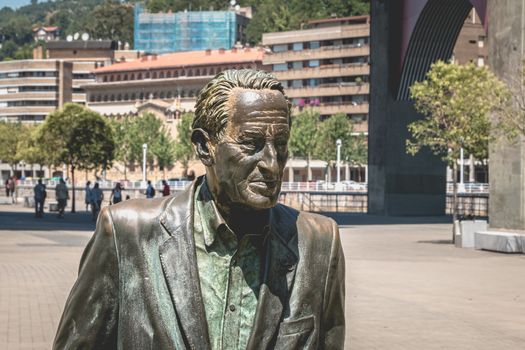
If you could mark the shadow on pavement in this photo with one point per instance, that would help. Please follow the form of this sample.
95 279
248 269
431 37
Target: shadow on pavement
437 241
354 219
26 221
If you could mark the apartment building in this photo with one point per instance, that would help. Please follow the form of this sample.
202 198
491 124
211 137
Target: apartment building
324 66
174 78
31 89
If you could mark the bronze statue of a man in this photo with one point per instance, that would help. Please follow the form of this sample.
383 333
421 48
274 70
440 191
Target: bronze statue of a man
221 265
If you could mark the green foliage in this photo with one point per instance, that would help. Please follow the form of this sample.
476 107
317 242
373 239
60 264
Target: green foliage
456 102
77 137
28 148
304 134
113 21
10 136
353 148
132 132
184 147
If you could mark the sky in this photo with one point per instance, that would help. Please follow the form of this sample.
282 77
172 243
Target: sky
14 3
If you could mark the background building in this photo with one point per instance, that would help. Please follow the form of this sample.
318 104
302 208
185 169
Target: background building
188 30
175 79
46 33
325 66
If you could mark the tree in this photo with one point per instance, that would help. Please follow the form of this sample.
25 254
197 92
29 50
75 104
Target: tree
125 139
29 150
10 135
456 102
338 127
112 20
164 150
80 138
184 147
304 137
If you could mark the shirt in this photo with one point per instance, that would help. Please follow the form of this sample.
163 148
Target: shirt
229 273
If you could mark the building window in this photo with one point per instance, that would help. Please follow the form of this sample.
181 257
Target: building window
125 77
298 46
481 61
198 72
133 96
154 75
132 76
168 74
481 41
297 83
315 44
280 48
313 63
126 97
297 65
139 76
313 82
105 79
161 76
147 75
162 94
119 97
279 67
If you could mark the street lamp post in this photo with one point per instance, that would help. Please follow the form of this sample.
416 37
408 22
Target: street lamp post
338 143
144 153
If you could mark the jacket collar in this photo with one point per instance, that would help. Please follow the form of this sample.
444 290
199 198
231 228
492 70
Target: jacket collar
179 265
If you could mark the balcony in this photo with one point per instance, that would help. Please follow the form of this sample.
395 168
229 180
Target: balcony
324 52
334 70
328 90
30 95
26 110
347 108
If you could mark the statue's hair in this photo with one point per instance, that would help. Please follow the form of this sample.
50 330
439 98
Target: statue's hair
211 109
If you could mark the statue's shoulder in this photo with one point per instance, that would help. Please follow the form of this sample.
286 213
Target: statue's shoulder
304 221
140 211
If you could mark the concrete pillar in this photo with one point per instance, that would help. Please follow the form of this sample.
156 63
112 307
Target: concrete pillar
347 172
398 183
290 173
506 40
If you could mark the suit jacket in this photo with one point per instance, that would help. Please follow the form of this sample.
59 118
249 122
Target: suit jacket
138 284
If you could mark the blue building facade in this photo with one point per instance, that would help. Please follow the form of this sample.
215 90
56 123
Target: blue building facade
187 31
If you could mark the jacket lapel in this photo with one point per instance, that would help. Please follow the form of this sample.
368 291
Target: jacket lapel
179 264
279 274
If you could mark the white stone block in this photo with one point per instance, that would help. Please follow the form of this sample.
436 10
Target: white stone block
505 242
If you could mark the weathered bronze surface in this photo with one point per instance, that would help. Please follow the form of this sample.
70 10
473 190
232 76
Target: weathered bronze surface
221 265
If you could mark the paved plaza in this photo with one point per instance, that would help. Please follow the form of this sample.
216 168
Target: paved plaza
407 287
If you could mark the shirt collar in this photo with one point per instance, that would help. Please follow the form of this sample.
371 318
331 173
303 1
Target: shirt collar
212 220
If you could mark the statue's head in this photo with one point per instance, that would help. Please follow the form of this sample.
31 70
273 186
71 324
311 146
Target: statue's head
240 133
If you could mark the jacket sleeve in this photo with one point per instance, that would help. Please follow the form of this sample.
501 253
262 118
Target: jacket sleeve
90 315
332 335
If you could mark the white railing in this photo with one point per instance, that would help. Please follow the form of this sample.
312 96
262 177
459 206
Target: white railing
319 186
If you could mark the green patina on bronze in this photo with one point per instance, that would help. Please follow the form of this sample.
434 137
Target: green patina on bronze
229 273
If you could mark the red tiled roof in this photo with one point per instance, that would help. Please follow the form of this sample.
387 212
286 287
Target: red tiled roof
189 58
47 29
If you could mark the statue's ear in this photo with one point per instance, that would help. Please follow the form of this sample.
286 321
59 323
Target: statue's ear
202 145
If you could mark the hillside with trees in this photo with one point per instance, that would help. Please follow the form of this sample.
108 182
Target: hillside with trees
113 19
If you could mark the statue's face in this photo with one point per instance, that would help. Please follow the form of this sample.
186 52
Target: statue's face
250 157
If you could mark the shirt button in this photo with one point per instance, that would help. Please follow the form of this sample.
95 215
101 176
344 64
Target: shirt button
232 308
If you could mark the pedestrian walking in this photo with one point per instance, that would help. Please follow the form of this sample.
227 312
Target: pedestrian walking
6 184
40 197
97 196
12 188
116 194
165 188
62 195
87 195
150 190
